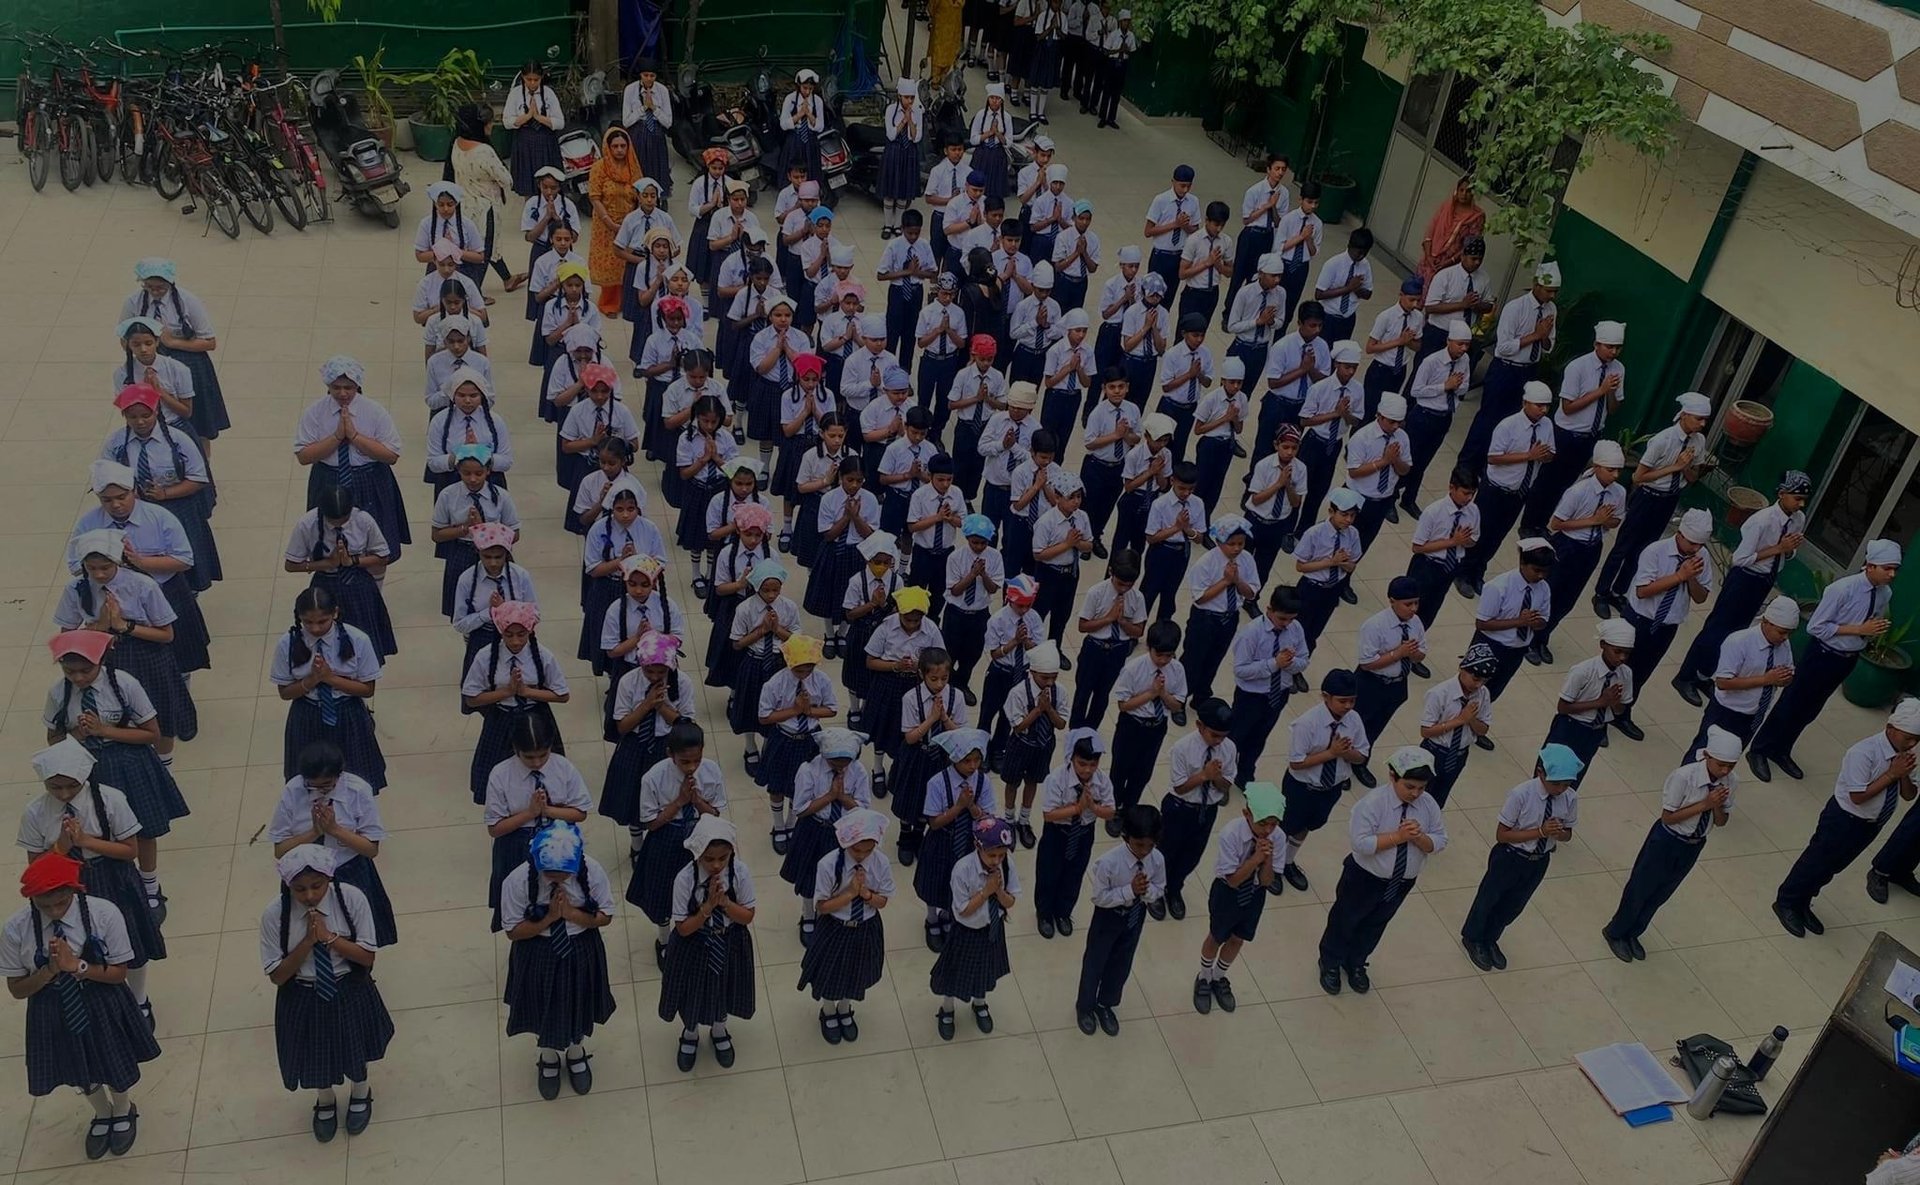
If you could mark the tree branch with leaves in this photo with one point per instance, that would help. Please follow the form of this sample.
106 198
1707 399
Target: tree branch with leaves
1536 85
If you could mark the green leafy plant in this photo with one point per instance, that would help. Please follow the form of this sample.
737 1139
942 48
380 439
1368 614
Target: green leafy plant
1537 85
1883 649
374 79
457 79
326 10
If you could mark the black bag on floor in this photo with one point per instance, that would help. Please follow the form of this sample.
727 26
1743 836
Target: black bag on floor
1696 1055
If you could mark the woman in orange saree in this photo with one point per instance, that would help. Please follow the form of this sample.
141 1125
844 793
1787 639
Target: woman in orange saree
1457 219
610 187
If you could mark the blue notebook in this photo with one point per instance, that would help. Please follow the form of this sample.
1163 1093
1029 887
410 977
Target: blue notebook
1658 1113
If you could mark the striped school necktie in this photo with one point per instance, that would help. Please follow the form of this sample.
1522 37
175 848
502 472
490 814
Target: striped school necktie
343 456
1766 693
1667 600
1546 817
329 709
143 468
856 911
1400 855
1280 683
1328 769
716 939
1137 912
73 993
326 979
1705 818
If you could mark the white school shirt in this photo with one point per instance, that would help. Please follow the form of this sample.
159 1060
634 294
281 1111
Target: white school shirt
510 787
985 120
1517 434
1164 208
863 376
1527 807
1165 511
495 506
1244 313
692 445
1453 284
354 808
915 702
141 601
899 457
947 179
1063 245
514 900
1189 755
720 507
473 595
1210 568
1390 323
40 822
1448 699
520 106
566 373
1583 500
1053 529
913 127
1002 627
658 611
1111 293
1690 784
1119 43
1199 246
1380 811
931 318
633 105
448 431
748 614
1255 647
112 690
974 598
1521 316
900 256
171 373
891 641
177 311
1098 599
545 674
664 347
1743 655
681 395
660 785
1291 223
426 293
884 415
1429 387
831 875
321 420
1002 459
553 314
816 465
1662 558
1081 376
607 540
969 877
1664 449
459 228
1141 458
1588 678
1319 542
1850 600
634 687
19 956
1024 696
440 368
733 275
925 501
1323 397
723 222
1381 633
1368 444
1288 354
779 691
1765 528
834 500
1175 362
1256 196
1107 416
1583 374
363 666
836 326
736 882
1022 267
1234 846
125 447
1336 272
1440 520
795 112
1312 731
1136 316
347 912
152 529
1864 762
1506 595
1265 474
812 781
563 215
1137 676
1111 878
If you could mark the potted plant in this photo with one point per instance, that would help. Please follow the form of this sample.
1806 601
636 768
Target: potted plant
375 107
1876 679
1743 503
1337 187
457 79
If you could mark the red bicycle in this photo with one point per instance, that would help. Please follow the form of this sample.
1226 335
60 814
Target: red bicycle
300 169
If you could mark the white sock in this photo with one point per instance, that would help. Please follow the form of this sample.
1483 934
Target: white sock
1206 969
720 1029
933 916
980 1003
166 759
137 983
636 836
844 1008
664 931
326 1098
1220 967
576 1053
101 1106
946 1003
832 1019
150 879
1293 850
359 1090
549 1057
809 909
1026 813
121 1104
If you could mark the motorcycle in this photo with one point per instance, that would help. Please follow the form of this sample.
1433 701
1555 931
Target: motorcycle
836 155
369 173
579 152
763 124
697 126
866 143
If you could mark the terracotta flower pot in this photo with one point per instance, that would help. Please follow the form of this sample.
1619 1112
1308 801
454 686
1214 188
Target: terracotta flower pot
1743 503
1748 421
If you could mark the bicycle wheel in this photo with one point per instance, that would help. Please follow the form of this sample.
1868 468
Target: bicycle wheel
72 149
253 197
33 142
106 146
220 204
169 178
83 129
287 196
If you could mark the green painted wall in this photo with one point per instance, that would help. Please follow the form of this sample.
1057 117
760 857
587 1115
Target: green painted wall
734 33
1608 279
1362 106
1173 76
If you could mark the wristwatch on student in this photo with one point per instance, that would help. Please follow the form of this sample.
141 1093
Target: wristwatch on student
80 972
125 631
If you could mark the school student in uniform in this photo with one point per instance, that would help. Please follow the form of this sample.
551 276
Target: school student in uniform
1172 216
1456 294
1206 264
558 901
1175 521
1768 539
461 506
1876 774
649 700
1696 798
1393 831
152 541
1327 745
1243 873
108 712
1852 612
1673 460
1538 815
1186 369
1276 488
974 572
674 794
343 548
1216 428
66 954
1378 458
1439 380
326 671
1221 585
329 1021
824 790
328 806
708 978
143 365
186 336
1457 714
510 676
1265 202
789 708
1674 574
1325 557
111 598
1323 413
467 418
1345 281
1128 880
973 959
1270 653
81 817
1391 648
1591 388
526 794
1754 664
1581 518
344 439
1596 692
1512 606
1202 768
1075 795
169 473
1520 445
1392 343
1441 537
1525 333
848 954
1113 617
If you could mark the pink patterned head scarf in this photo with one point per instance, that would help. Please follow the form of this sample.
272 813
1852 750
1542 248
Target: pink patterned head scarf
485 535
508 613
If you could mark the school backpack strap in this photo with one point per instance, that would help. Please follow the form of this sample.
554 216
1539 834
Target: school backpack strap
1696 1055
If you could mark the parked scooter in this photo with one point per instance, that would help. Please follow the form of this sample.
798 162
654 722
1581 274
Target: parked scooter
836 155
579 152
698 125
369 173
